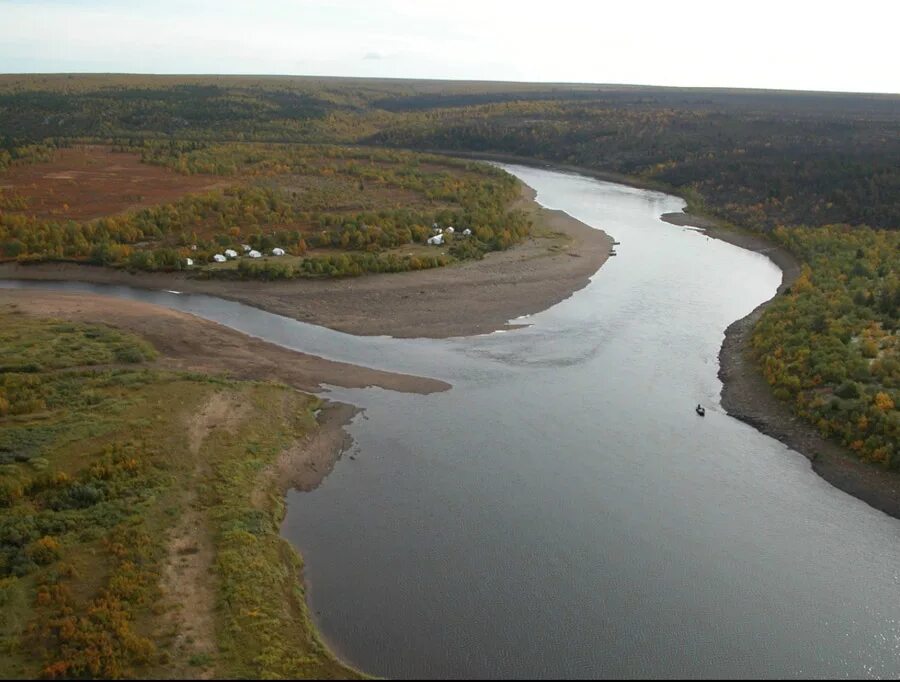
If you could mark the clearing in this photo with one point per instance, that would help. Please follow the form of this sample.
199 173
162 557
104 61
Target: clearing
91 181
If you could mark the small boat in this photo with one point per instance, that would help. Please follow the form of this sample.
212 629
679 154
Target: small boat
612 253
701 410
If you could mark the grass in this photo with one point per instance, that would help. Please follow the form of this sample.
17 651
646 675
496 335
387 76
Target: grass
97 469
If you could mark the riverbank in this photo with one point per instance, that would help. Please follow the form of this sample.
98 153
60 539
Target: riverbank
747 396
191 344
227 417
472 297
745 393
481 296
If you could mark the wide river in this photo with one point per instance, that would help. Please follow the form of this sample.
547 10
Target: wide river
561 511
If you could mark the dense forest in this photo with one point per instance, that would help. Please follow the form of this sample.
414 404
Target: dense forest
819 172
756 168
757 158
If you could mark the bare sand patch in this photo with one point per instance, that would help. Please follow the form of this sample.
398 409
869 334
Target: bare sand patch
190 343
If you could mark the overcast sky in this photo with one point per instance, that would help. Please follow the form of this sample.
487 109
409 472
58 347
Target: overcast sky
850 46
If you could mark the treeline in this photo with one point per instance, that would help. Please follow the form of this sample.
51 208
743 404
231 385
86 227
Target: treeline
830 344
335 265
31 153
756 158
756 168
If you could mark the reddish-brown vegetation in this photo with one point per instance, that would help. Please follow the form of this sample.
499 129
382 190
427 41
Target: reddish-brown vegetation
90 181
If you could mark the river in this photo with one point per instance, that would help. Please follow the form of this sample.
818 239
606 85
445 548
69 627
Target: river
562 511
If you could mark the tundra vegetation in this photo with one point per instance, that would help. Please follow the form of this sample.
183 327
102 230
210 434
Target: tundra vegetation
314 164
339 173
339 211
103 456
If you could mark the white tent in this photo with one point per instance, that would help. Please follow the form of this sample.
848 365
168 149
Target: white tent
246 247
467 232
277 252
255 254
230 253
437 240
188 261
219 258
451 230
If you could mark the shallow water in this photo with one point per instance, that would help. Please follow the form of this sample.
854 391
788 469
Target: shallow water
562 511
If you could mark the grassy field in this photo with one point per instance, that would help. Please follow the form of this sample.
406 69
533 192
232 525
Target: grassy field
138 521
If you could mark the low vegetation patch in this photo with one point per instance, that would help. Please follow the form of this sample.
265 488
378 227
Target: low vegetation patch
99 459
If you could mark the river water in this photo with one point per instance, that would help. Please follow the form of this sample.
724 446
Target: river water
561 511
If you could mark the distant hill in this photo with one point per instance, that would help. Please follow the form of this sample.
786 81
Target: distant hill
755 157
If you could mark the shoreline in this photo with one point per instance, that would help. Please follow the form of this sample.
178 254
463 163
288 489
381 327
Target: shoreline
187 343
505 285
748 397
192 344
745 393
464 299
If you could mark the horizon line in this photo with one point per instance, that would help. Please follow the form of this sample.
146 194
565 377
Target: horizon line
569 84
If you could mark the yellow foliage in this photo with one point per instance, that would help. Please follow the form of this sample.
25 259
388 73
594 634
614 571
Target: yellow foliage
883 401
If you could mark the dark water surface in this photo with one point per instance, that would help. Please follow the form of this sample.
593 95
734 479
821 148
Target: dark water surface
562 511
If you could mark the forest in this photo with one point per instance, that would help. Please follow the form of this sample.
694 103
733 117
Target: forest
830 344
757 158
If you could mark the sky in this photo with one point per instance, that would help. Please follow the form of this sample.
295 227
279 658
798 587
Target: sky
788 44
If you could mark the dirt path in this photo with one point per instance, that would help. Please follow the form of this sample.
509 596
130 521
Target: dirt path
188 581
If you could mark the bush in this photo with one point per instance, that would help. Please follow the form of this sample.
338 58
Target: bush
129 354
44 551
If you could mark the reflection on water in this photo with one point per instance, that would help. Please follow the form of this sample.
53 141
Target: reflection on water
562 511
